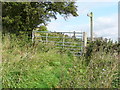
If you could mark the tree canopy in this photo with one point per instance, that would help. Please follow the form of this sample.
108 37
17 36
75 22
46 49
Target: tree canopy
25 16
42 28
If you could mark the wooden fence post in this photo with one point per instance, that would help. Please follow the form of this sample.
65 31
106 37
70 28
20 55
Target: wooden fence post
46 37
63 40
73 35
33 36
84 41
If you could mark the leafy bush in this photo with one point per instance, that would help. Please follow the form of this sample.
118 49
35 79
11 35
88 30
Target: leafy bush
101 46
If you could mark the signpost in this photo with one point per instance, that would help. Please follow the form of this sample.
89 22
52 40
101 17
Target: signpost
91 24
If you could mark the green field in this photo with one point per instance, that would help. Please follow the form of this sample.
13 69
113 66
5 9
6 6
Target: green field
28 65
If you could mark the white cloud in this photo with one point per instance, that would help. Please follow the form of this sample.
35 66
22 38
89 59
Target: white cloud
54 26
106 22
106 26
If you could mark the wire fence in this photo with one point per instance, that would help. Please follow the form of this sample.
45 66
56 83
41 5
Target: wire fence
73 41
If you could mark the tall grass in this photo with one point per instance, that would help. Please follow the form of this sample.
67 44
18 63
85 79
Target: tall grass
28 65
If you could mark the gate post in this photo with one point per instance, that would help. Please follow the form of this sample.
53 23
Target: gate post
84 41
63 40
73 35
33 36
46 37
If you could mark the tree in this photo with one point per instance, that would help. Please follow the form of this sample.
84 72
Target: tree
41 28
25 16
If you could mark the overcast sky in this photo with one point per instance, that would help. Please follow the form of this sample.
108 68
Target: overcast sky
105 20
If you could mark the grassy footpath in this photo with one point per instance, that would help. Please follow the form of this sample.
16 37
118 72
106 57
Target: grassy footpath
42 66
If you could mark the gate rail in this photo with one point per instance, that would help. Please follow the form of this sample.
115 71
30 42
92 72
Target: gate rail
73 41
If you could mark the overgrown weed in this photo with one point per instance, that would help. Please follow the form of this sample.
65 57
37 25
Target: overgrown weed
38 65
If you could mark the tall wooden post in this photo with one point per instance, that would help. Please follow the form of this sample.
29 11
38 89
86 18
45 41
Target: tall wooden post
84 41
91 26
